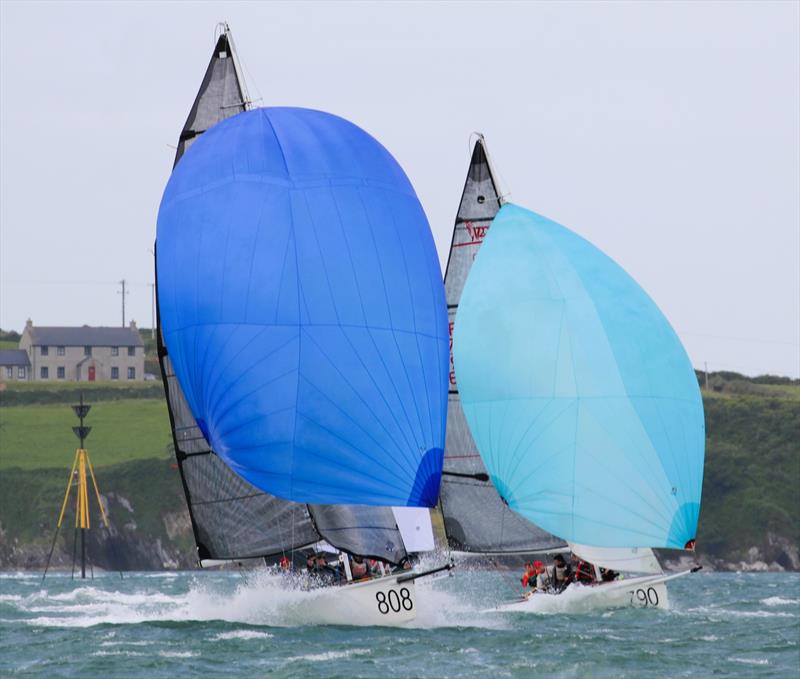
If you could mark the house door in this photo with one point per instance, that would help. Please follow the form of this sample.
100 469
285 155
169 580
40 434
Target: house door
91 373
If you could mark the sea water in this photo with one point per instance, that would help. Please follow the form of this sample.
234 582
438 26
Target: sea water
230 624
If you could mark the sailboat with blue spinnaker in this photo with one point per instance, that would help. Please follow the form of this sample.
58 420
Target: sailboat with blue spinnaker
302 340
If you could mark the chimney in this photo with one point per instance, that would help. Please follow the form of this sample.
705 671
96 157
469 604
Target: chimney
28 324
133 325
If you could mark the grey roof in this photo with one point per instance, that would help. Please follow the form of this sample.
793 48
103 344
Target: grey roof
14 357
85 336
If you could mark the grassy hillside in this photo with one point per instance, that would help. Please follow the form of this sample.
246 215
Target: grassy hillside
40 436
750 493
30 500
149 524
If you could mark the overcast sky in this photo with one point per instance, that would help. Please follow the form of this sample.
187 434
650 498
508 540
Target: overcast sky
665 133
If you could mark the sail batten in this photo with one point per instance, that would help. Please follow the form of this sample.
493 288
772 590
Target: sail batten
475 517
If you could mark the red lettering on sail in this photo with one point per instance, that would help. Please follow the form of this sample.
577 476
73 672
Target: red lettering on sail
452 365
475 234
450 328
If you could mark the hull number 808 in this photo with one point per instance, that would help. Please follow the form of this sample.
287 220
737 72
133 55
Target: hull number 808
394 601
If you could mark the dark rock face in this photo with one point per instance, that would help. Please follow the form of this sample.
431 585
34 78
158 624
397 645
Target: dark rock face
116 548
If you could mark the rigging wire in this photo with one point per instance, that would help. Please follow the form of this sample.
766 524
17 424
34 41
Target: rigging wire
504 574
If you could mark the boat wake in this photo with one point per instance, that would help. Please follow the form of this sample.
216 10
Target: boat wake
263 598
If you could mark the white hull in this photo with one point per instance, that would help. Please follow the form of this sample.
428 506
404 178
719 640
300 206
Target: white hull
649 591
380 601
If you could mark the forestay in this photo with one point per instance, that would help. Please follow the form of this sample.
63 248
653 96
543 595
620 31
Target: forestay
579 395
303 310
475 517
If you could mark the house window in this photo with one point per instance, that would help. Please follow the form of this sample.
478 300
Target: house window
44 373
60 351
131 351
131 373
114 373
45 351
60 373
115 351
21 373
9 371
87 351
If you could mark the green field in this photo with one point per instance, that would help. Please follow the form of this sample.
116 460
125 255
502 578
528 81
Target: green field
39 436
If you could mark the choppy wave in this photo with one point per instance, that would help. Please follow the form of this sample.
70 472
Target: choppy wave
750 661
162 627
243 634
330 655
779 601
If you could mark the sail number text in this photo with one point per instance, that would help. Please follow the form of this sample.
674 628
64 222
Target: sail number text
644 597
394 601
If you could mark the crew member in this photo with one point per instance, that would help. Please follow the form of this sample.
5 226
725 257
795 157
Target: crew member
562 573
528 575
607 575
358 568
584 572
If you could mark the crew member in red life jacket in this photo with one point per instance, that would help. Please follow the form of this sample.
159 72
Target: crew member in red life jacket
528 575
535 577
584 571
284 563
532 573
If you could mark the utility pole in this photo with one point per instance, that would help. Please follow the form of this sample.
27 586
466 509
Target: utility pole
705 365
123 293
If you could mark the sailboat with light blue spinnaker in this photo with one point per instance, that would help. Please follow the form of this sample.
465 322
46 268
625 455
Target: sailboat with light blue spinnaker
578 392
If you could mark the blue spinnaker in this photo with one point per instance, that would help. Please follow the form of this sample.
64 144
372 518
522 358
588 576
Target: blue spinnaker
302 306
581 399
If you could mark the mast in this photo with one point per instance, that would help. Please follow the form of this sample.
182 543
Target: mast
475 517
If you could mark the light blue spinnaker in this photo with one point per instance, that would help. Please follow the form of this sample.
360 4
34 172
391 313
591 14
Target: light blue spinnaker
302 306
581 399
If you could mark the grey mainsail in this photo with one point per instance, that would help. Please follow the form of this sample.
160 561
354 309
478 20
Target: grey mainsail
232 519
475 517
222 94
